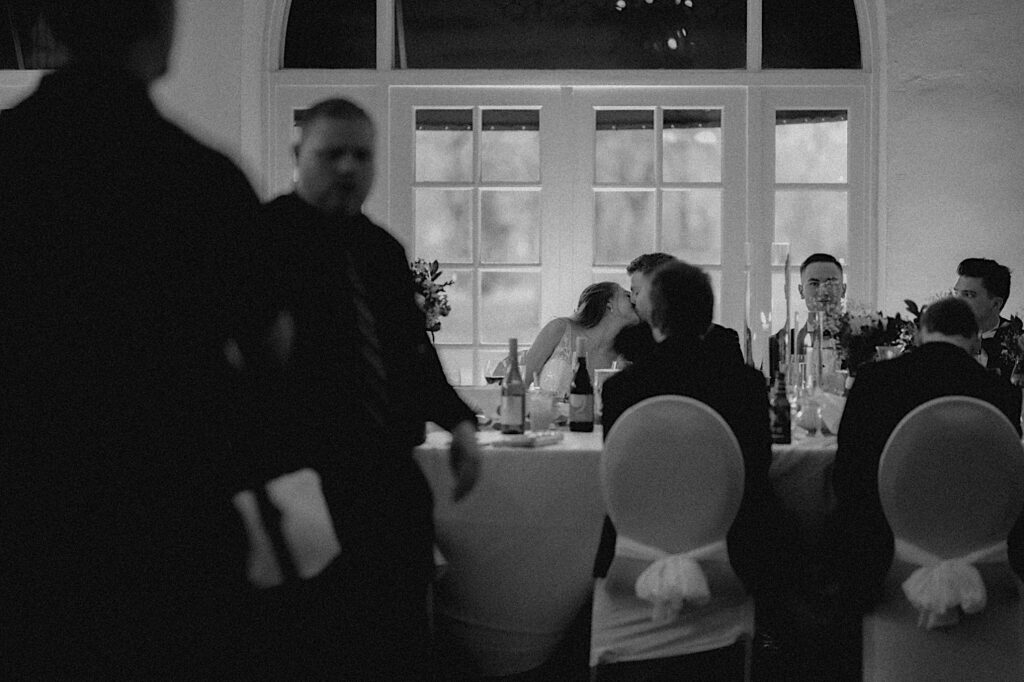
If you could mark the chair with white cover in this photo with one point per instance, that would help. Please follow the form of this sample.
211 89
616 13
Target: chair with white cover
951 482
672 476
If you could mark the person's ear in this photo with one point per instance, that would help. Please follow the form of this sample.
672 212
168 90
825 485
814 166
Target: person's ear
1001 303
843 295
800 290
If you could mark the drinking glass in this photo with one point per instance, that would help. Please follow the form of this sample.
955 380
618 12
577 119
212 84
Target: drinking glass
541 406
492 372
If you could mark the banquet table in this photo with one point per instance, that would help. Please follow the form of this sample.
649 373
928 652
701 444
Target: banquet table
519 550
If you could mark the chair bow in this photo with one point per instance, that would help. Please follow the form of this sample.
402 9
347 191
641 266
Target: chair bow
672 580
941 588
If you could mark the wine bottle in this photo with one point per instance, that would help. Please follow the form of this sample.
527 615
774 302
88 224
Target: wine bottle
779 414
581 393
513 394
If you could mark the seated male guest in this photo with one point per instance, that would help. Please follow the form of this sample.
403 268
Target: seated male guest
862 542
636 341
821 281
985 285
679 302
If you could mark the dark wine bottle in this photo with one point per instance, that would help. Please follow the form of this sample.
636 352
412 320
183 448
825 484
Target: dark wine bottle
581 393
779 414
513 394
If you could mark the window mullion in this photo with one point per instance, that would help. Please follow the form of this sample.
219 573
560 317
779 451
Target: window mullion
386 34
754 36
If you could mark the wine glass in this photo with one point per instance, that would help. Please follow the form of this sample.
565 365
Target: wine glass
493 372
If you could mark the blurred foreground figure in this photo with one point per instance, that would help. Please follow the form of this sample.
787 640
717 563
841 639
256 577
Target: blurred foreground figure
361 383
124 256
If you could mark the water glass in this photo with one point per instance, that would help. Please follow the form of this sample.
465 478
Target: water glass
541 407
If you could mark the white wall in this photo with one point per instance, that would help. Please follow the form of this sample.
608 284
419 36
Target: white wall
203 90
955 143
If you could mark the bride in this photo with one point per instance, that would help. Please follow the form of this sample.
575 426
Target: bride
603 310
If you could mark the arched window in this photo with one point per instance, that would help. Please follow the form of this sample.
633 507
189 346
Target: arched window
533 147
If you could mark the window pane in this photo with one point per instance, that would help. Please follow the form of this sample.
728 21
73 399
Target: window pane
623 226
691 225
444 220
510 146
457 326
581 34
811 221
444 145
331 35
810 34
509 306
810 146
692 146
510 226
624 147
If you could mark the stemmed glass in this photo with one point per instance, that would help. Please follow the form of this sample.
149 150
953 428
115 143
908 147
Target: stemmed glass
492 372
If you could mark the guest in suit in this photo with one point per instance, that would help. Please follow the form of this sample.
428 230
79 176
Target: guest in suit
636 341
821 282
679 301
985 285
362 381
126 265
883 394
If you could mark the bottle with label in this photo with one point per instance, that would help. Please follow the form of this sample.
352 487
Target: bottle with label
779 414
513 394
581 393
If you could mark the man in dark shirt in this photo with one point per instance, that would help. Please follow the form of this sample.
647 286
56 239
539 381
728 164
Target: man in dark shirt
354 418
125 262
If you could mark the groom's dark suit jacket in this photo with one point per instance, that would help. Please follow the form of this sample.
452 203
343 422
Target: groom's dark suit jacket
861 542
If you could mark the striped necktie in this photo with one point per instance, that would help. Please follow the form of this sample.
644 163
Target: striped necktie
372 372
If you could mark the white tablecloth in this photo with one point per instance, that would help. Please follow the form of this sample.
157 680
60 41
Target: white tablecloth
520 549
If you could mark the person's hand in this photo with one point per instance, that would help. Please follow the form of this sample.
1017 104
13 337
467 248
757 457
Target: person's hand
464 459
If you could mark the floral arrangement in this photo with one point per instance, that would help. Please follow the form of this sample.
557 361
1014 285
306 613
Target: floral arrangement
857 330
1011 347
430 292
860 331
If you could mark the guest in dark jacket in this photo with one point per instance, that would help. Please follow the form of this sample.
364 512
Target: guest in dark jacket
681 302
362 381
125 268
862 542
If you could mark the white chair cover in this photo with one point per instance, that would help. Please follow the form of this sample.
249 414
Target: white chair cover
951 482
520 554
672 477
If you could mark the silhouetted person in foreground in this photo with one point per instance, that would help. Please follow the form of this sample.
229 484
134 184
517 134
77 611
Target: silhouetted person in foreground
125 256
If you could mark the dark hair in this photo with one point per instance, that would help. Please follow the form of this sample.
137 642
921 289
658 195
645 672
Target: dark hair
104 30
994 277
648 263
682 301
591 307
950 316
820 258
335 108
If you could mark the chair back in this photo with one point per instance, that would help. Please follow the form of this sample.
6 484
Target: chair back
672 477
951 483
951 476
672 474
